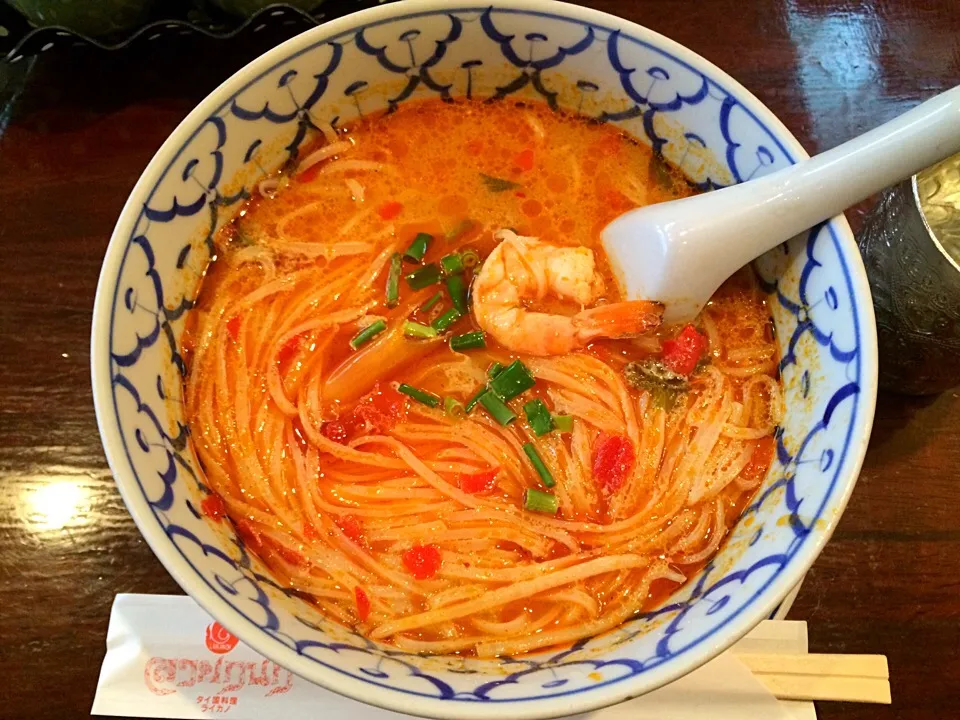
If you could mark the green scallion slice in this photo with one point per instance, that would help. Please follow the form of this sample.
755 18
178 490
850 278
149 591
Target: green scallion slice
542 470
458 293
514 380
393 280
470 258
454 409
451 264
539 417
459 229
424 277
471 403
497 408
494 370
428 399
416 330
563 423
431 302
368 333
468 341
418 248
539 501
446 320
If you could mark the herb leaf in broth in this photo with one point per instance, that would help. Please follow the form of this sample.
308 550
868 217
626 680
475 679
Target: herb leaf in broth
495 184
660 172
664 385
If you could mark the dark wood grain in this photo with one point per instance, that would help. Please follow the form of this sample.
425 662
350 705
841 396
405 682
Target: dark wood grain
86 125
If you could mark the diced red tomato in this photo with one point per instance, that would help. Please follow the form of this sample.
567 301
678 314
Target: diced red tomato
682 353
389 210
233 327
352 528
760 459
213 507
363 603
524 160
382 408
422 561
336 431
288 350
479 482
291 556
378 411
613 458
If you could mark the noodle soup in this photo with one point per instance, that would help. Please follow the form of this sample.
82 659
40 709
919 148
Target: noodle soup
416 392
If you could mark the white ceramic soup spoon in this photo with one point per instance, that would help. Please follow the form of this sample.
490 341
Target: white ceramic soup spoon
680 252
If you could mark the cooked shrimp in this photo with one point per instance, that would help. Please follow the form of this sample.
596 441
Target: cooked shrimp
521 270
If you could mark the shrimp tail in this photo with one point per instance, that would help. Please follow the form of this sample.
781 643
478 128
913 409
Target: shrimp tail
616 320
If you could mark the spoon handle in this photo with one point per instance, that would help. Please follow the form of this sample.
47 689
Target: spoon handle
814 190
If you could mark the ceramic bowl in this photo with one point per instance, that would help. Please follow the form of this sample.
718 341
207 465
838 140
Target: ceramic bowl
698 117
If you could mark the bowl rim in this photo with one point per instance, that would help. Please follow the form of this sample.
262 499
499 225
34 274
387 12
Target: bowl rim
603 694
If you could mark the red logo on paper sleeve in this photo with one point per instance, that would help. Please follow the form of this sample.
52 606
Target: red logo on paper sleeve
219 639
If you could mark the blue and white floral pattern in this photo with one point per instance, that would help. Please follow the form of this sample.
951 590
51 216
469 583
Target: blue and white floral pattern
572 59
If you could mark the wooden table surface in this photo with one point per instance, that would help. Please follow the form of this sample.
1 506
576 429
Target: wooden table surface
76 139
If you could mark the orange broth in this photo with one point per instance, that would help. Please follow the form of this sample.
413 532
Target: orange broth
320 516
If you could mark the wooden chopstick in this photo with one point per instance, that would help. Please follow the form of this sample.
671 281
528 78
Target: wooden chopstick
869 666
846 678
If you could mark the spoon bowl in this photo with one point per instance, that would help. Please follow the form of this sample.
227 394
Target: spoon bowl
680 252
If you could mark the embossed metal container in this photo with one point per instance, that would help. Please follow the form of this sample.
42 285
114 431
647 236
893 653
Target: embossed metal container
910 245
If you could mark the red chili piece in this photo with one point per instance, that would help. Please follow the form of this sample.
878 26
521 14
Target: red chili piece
213 507
389 210
524 160
613 458
233 327
335 430
422 561
480 482
760 459
352 528
363 603
288 350
682 353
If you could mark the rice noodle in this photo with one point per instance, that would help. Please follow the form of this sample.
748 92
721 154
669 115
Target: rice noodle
324 153
334 490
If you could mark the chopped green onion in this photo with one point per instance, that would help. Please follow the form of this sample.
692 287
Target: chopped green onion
368 333
458 293
428 399
494 370
459 229
476 398
453 409
514 380
446 320
468 341
424 277
416 330
539 501
418 248
497 185
393 281
451 264
539 417
542 470
431 302
497 408
470 258
563 423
